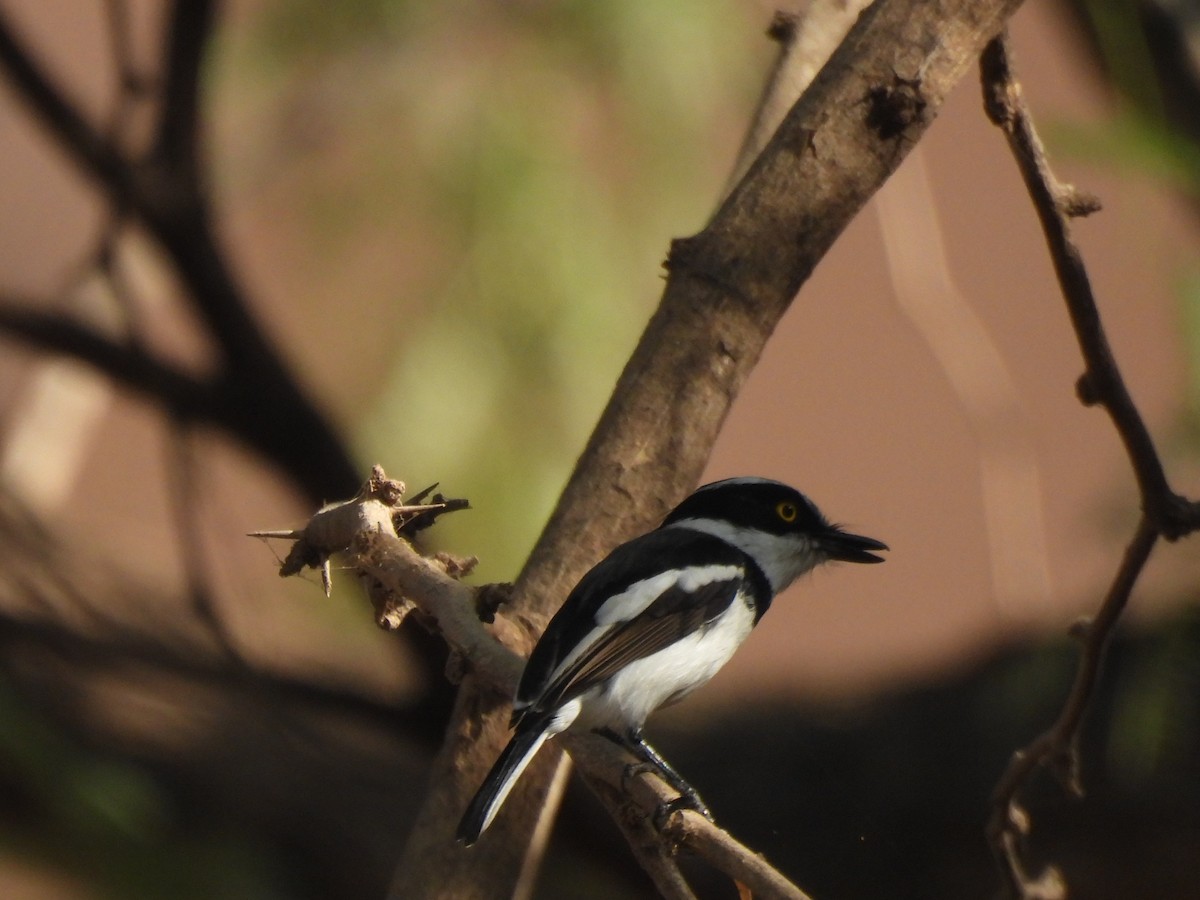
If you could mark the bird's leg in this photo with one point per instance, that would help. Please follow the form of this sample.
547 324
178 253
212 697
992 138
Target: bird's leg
651 761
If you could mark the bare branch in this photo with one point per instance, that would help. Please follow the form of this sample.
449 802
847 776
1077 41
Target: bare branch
1101 382
269 411
177 143
806 38
95 154
728 286
496 656
636 804
708 841
129 365
132 87
1165 513
1057 748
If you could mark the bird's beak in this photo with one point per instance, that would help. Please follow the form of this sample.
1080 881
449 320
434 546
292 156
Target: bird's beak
840 545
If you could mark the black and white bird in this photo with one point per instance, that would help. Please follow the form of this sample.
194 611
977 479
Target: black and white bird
656 619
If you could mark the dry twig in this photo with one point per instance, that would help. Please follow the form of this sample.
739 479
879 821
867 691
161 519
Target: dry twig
1165 514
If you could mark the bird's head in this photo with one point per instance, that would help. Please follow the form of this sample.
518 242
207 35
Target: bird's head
774 524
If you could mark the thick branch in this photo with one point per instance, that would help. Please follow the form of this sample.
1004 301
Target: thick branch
807 38
727 288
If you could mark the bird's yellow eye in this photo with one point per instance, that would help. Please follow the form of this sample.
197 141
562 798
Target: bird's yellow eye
786 510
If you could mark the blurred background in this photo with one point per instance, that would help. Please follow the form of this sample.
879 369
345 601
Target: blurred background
449 219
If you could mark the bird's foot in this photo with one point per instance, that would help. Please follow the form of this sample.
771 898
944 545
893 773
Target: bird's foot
689 799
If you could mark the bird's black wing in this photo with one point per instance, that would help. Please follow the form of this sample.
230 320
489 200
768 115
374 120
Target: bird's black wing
674 615
666 617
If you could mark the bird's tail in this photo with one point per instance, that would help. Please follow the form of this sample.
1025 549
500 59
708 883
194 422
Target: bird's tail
531 733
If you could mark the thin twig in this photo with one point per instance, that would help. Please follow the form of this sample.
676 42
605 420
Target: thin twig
1101 382
132 87
708 841
1165 513
1057 747
492 655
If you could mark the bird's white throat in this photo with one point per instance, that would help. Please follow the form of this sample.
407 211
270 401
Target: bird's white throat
782 557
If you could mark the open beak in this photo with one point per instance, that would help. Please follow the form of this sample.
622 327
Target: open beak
839 545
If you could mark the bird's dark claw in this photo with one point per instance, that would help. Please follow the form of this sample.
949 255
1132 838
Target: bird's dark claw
689 800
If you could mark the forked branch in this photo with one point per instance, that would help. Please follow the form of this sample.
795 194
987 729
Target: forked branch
726 289
253 395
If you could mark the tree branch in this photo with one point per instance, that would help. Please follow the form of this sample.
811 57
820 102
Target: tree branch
1057 748
129 365
177 143
94 154
113 646
1101 382
132 87
807 38
1165 513
272 413
726 290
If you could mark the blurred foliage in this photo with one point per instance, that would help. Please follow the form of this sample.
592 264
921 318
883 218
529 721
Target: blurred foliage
517 171
1155 721
1139 146
1125 52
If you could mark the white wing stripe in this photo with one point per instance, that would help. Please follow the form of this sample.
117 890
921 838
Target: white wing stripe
635 599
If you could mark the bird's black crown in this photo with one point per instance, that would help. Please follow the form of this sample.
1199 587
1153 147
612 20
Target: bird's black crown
756 503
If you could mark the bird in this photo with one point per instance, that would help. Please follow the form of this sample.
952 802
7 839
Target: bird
656 619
